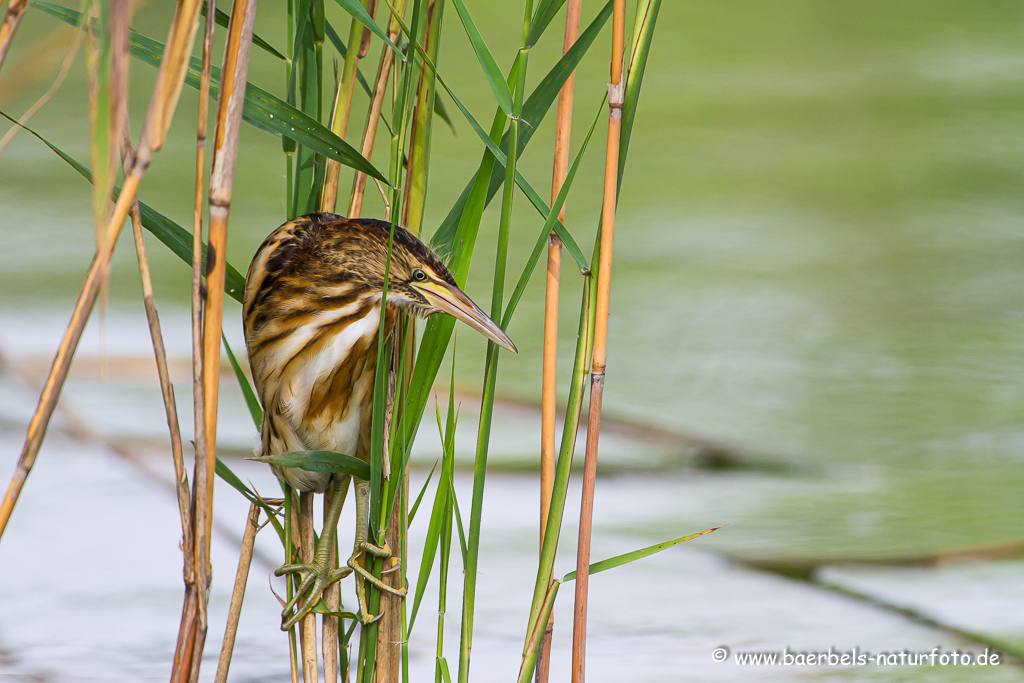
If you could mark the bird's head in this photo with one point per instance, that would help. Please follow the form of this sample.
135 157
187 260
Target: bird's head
356 251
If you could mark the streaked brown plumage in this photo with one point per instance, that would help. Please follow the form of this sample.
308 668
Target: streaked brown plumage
312 314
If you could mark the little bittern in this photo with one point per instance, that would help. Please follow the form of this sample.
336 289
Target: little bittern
312 315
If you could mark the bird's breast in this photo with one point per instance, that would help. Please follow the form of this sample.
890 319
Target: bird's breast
330 381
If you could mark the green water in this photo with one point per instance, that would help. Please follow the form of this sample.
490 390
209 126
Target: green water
818 257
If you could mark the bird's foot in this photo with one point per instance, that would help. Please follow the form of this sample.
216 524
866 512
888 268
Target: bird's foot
314 577
357 564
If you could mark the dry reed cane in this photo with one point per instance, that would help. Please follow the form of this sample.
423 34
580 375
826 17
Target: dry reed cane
162 370
611 168
252 522
182 664
339 116
387 59
234 72
15 10
551 293
307 627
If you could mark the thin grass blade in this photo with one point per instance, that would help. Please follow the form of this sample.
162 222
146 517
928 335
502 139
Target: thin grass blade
626 558
419 498
549 224
253 403
535 109
360 14
491 71
546 11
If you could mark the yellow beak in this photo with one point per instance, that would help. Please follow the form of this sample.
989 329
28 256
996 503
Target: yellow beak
453 301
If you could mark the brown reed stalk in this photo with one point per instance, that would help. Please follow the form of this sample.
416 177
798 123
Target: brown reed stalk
161 109
549 373
160 352
292 532
388 664
252 522
307 627
15 10
616 93
387 58
342 108
119 66
182 668
234 72
330 645
364 42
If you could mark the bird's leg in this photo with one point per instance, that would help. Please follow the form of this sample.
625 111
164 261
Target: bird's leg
319 573
357 562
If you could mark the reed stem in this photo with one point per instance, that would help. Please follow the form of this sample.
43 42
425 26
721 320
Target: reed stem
342 108
234 72
12 17
252 522
549 373
616 92
387 58
307 626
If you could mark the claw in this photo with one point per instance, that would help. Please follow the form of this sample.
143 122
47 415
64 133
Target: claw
315 578
356 564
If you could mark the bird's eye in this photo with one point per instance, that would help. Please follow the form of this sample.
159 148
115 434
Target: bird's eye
419 275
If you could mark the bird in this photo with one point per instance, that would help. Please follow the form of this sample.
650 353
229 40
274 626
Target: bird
311 314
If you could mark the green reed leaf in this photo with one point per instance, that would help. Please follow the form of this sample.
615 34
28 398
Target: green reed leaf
546 11
442 664
319 461
549 224
626 558
253 403
232 480
491 71
360 14
523 184
535 109
339 45
643 34
419 498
